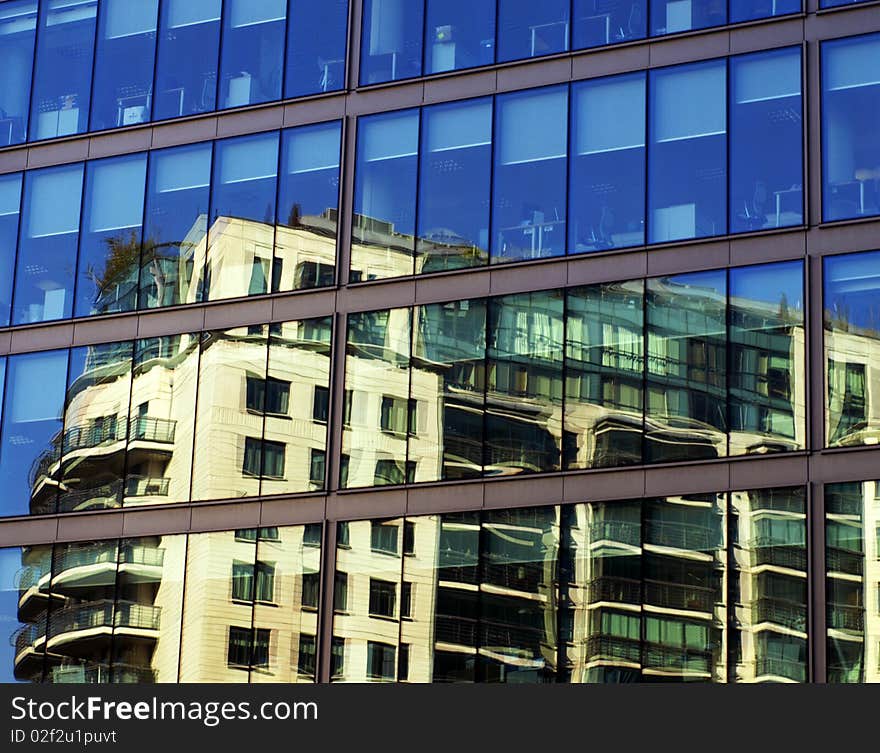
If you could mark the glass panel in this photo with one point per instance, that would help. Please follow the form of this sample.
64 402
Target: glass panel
172 261
850 151
524 384
110 241
770 559
766 148
852 333
308 208
186 60
149 605
251 63
747 10
366 626
242 227
10 204
527 29
604 376
385 196
32 411
687 367
126 50
316 46
92 463
448 378
607 178
852 510
459 34
63 68
391 41
47 250
528 215
18 24
672 16
600 22
377 365
454 184
767 399
161 420
218 639
688 153
24 601
228 460
299 365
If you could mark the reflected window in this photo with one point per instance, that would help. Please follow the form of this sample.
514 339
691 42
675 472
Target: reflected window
173 257
673 16
46 263
186 59
527 29
385 196
850 152
607 168
383 598
380 661
316 39
251 63
63 68
688 152
391 40
459 34
110 240
454 185
529 192
308 214
748 10
18 24
601 22
766 154
125 51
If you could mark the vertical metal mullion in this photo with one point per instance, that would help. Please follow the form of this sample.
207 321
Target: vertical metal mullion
277 221
817 635
116 575
732 534
98 19
122 490
160 17
79 233
206 267
183 585
18 236
417 197
326 598
221 35
263 418
645 282
200 336
145 216
284 57
26 136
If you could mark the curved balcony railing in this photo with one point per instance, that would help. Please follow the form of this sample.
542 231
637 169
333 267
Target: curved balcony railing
146 486
152 429
104 614
27 635
619 531
69 559
99 674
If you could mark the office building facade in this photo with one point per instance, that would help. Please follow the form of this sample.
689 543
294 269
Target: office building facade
433 341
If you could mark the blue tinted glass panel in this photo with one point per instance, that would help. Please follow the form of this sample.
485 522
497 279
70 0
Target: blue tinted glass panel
110 239
385 196
32 410
687 184
528 217
63 69
391 45
748 10
672 16
242 228
308 196
18 24
186 63
527 28
10 202
123 83
46 263
766 151
173 258
600 22
252 58
850 147
454 185
607 198
836 3
315 46
459 34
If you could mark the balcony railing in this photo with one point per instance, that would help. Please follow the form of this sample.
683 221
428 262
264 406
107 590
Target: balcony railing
788 614
93 555
657 656
623 532
518 576
844 560
104 496
461 631
769 665
459 574
99 674
681 535
767 552
846 617
622 590
146 486
93 435
152 429
142 555
27 635
678 596
613 647
103 614
511 637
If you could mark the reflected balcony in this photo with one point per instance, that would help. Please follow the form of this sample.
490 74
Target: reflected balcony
147 429
844 561
619 590
95 566
89 621
678 596
616 531
613 648
101 674
145 489
458 631
29 643
513 640
781 612
779 554
681 535
523 577
777 669
676 660
846 617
